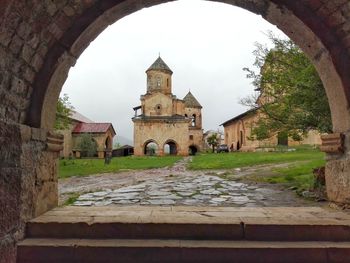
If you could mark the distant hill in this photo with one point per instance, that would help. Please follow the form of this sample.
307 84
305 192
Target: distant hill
122 140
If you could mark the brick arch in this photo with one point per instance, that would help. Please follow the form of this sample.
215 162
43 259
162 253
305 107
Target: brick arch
313 25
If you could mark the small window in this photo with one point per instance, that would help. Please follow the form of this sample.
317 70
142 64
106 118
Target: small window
193 123
191 137
158 108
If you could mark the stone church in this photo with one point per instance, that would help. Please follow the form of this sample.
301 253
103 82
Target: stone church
166 124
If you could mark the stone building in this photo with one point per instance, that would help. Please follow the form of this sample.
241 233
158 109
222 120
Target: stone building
166 124
102 134
238 134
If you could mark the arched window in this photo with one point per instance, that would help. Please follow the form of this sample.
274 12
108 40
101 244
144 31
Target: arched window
193 122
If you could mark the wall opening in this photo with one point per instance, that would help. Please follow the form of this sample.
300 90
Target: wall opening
151 149
170 148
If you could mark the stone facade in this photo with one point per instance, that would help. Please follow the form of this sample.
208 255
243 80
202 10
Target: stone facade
238 134
166 120
41 40
102 134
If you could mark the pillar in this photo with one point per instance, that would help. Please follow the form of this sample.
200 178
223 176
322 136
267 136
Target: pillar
28 180
337 170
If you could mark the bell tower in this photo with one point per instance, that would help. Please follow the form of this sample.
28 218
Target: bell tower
159 77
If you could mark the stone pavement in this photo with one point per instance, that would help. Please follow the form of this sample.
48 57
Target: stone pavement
200 188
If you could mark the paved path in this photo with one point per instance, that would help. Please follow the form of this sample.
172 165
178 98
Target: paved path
177 186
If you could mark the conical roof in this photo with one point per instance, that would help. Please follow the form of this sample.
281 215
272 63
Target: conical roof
159 64
191 101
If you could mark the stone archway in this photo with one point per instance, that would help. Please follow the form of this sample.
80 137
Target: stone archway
170 147
40 41
150 147
193 149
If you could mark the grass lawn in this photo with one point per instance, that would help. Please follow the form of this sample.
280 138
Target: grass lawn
242 159
81 167
297 175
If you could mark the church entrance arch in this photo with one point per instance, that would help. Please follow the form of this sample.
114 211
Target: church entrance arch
170 148
151 148
193 149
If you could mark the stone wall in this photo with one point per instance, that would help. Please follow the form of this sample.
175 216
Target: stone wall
245 124
160 132
197 138
28 181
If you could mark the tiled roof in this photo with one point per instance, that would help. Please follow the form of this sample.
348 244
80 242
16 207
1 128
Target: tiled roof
251 111
159 64
191 101
79 117
92 128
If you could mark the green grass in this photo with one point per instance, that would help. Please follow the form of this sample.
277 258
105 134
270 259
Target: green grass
72 198
298 175
242 159
83 167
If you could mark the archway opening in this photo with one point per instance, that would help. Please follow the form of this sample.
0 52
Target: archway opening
193 150
108 147
170 148
298 31
151 148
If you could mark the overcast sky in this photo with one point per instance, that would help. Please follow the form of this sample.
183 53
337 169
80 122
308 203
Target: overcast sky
206 45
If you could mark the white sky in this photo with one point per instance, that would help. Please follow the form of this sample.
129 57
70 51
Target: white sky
206 44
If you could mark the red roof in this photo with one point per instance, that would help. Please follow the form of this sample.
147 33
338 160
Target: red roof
92 128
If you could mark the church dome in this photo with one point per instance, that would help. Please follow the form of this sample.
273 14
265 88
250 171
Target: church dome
191 101
159 64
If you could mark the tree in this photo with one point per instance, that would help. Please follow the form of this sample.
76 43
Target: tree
88 145
213 140
290 94
63 112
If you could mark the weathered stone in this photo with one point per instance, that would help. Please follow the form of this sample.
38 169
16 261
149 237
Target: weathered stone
338 180
161 201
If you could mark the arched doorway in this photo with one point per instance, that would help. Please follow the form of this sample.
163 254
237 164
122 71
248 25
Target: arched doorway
31 83
320 38
151 148
193 150
170 148
108 147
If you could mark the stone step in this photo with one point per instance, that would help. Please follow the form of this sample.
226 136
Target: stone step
268 224
258 231
34 250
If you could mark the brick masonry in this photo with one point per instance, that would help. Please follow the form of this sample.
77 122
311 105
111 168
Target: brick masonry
40 40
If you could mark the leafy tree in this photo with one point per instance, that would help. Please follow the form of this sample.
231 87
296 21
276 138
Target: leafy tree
63 112
87 145
213 140
290 94
117 145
